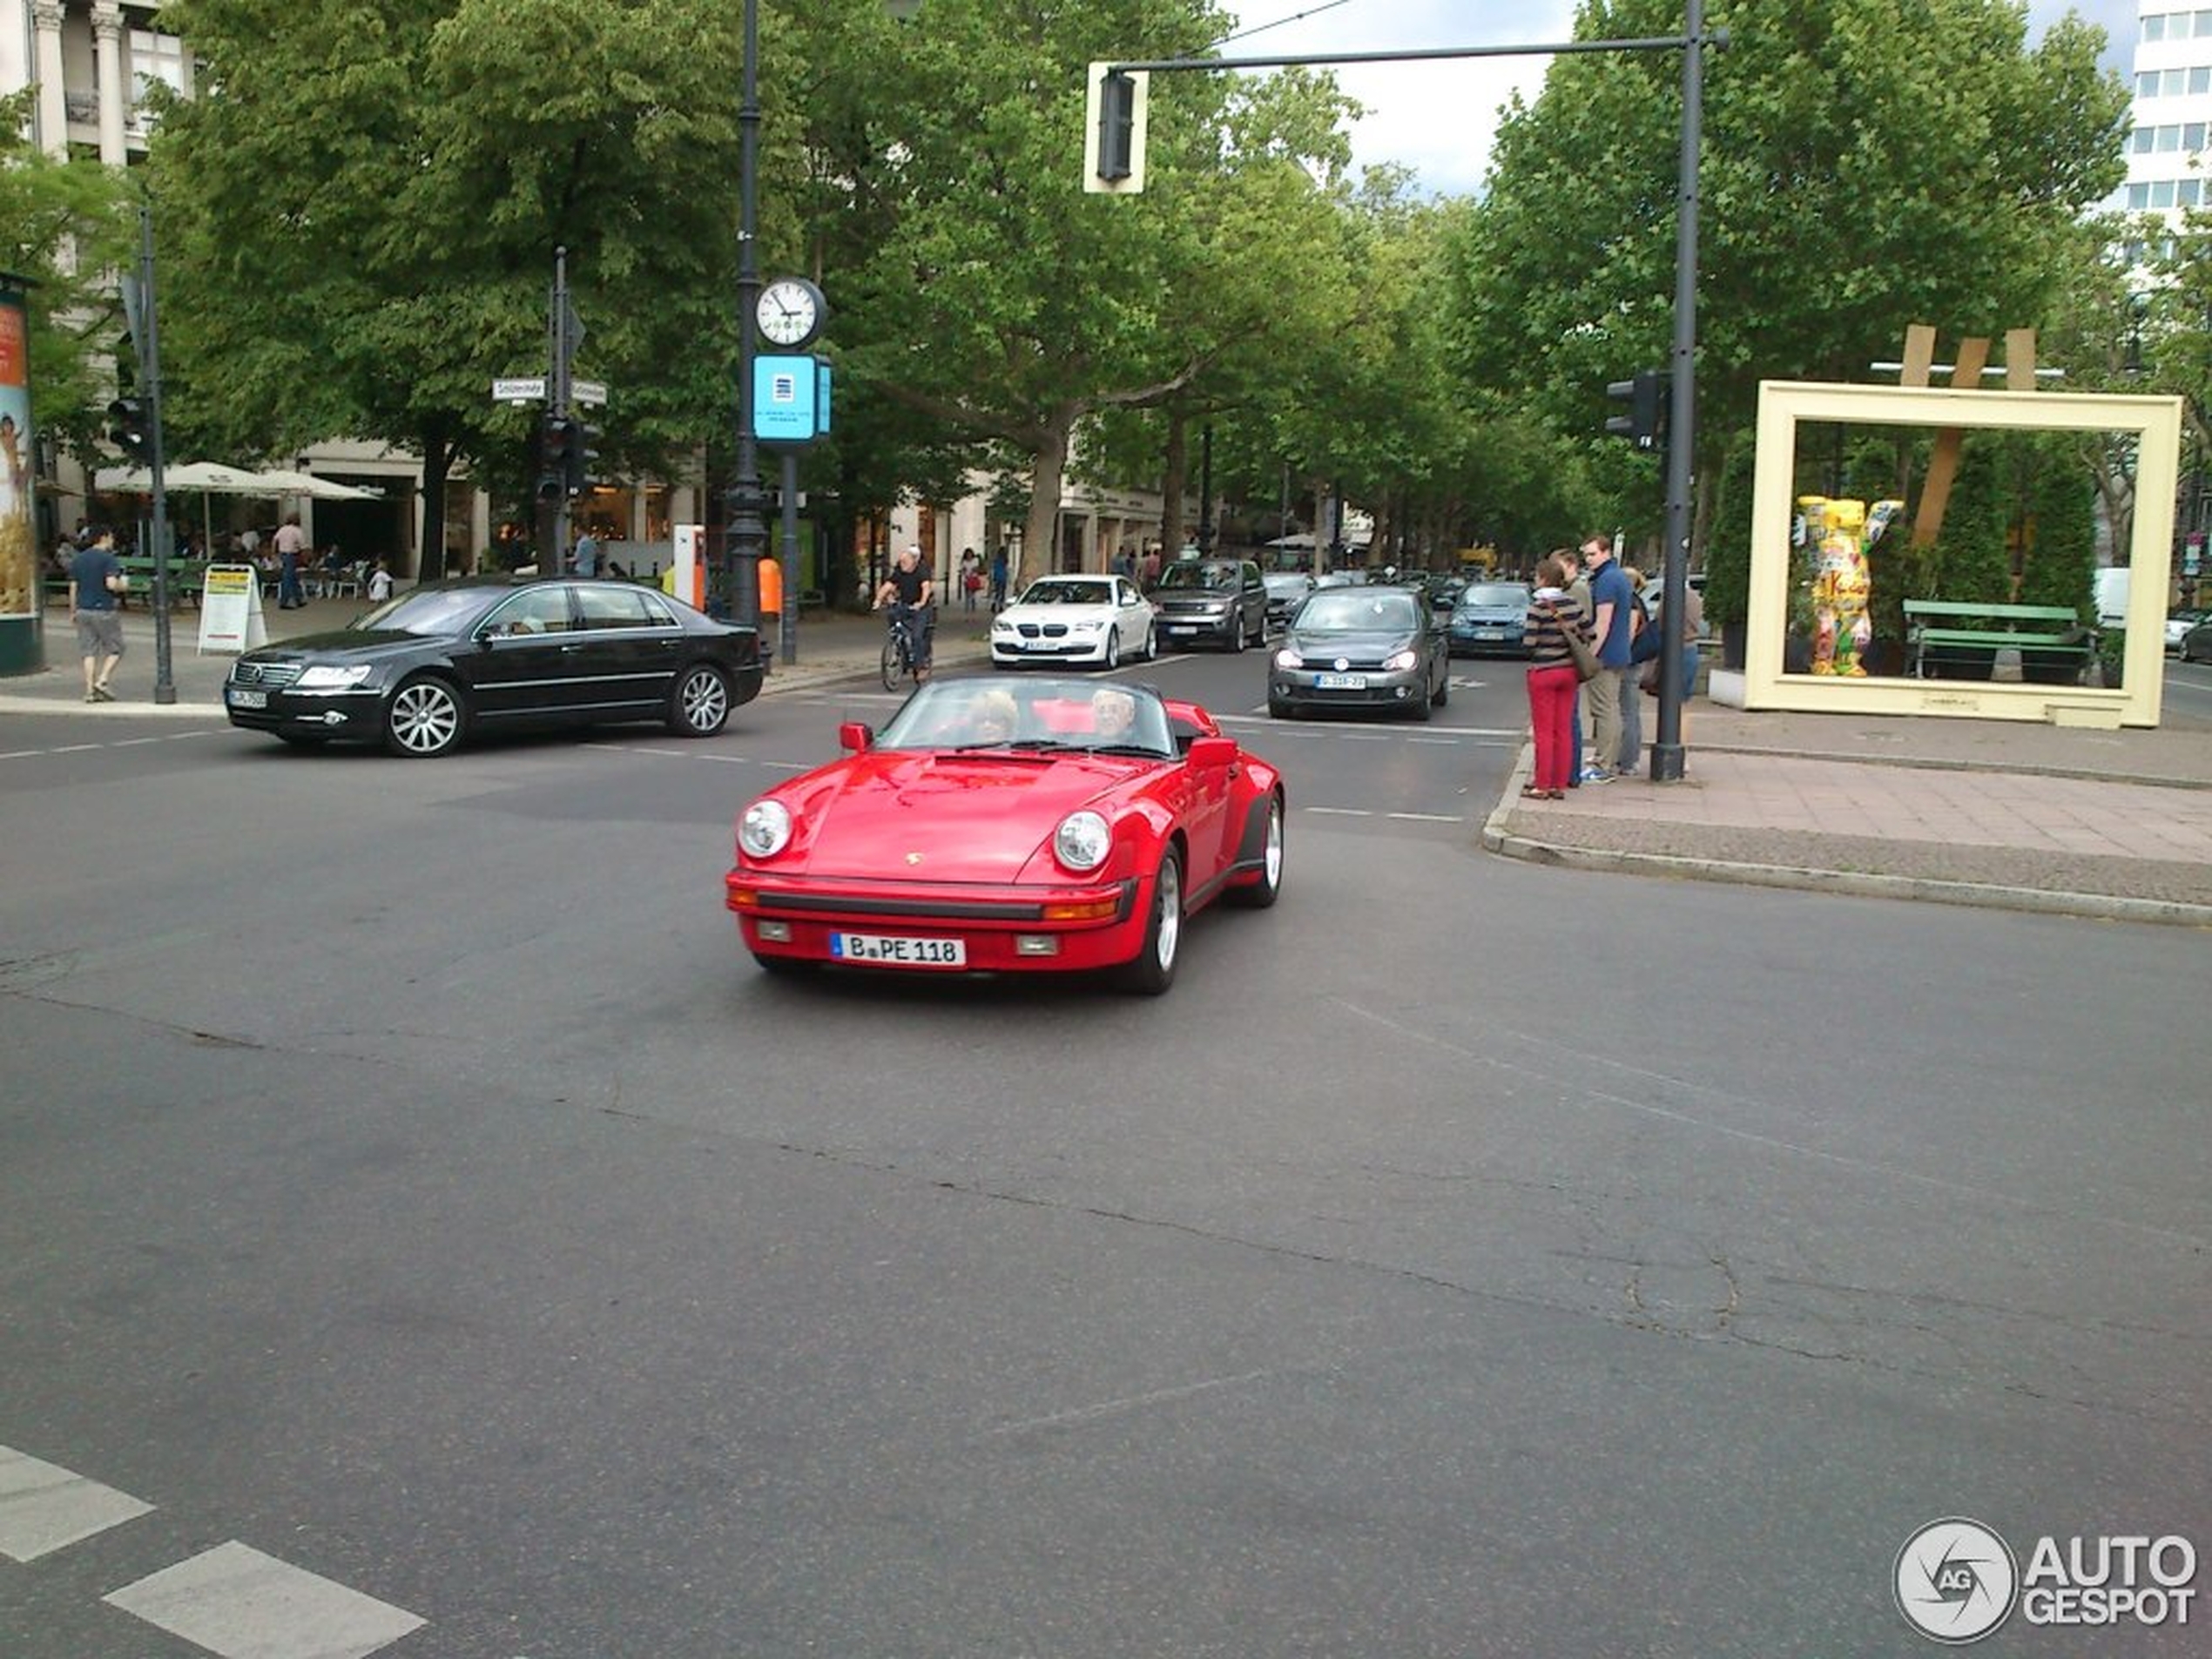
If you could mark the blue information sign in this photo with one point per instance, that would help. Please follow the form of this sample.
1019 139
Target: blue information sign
821 402
784 399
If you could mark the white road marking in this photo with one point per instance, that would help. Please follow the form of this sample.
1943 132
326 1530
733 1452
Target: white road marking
237 1603
43 1507
1338 811
1426 817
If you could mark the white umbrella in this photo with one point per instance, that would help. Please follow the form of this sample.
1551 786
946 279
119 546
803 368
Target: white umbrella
209 475
1302 539
285 481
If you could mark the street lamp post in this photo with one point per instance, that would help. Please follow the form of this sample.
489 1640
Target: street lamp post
747 537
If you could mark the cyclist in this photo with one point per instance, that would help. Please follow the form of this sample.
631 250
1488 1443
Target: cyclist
910 593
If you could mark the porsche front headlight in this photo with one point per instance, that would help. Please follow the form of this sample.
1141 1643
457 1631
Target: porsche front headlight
765 830
1083 841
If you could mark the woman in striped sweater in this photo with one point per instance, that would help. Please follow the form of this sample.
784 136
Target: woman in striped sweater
1552 680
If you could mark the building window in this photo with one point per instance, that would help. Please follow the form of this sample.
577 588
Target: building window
2186 191
155 59
2154 29
2138 198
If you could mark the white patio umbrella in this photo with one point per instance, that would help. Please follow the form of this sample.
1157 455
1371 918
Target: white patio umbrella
286 481
209 476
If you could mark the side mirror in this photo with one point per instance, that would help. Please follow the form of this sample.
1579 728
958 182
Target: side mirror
1207 753
853 736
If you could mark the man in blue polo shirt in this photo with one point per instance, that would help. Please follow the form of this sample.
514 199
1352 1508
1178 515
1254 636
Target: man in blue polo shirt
1610 600
95 579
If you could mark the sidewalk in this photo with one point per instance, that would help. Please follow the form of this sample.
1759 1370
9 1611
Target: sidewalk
2115 824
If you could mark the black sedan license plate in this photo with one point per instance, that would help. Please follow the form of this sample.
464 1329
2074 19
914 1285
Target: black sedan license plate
242 698
894 951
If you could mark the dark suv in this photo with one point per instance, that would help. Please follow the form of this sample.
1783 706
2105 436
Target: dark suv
1222 601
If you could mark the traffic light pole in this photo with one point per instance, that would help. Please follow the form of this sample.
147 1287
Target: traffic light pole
1666 752
165 681
556 403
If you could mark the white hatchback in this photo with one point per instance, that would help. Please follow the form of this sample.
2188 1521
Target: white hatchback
1101 620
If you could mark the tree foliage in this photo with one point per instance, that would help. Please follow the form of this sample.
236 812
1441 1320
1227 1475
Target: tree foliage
1867 164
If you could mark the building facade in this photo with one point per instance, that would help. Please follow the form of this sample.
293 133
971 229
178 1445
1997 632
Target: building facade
2167 150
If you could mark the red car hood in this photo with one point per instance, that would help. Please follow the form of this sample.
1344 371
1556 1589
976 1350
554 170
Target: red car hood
902 816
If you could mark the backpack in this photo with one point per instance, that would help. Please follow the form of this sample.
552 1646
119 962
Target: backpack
1644 642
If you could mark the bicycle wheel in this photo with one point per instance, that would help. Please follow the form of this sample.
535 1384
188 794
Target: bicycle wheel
895 661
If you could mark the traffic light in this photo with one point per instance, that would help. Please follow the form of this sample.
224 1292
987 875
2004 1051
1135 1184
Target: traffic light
556 459
576 471
1114 125
127 430
1645 423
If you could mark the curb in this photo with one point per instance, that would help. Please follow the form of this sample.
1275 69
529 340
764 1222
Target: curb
1505 843
1936 763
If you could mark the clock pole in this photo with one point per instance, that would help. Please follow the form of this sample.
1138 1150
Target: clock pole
746 538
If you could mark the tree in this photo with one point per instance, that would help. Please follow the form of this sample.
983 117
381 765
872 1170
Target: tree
367 201
1867 164
67 228
999 301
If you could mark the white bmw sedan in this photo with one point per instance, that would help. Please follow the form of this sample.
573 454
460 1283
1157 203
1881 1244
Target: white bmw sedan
1102 619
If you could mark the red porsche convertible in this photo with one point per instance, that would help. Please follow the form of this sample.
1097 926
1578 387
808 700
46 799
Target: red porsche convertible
1000 825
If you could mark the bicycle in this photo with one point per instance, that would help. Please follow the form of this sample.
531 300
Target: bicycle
899 651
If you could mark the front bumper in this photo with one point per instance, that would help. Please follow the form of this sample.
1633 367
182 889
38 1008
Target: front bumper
1069 648
1063 928
1218 631
1357 688
1489 639
354 712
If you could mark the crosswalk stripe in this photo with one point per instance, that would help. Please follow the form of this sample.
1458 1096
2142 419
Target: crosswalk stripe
235 1601
43 1507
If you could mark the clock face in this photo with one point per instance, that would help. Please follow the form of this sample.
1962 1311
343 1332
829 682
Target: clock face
790 312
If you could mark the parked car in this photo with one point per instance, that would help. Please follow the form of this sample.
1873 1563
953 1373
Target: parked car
1362 648
2196 644
422 671
1489 620
1049 825
2179 623
1098 619
1286 592
1221 601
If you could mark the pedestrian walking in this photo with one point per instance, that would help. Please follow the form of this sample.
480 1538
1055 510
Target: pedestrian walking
971 578
1553 617
96 585
998 579
291 542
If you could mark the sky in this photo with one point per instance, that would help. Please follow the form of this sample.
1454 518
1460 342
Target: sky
1438 118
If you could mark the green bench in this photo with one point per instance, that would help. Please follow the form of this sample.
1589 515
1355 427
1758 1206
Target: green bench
2040 628
185 580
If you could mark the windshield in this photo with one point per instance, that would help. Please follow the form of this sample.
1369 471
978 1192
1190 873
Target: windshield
1360 611
1510 594
1062 590
430 611
1032 716
1190 576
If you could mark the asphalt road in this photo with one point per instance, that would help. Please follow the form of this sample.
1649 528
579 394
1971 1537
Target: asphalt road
405 1174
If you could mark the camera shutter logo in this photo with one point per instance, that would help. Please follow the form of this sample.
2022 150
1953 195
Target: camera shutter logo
1956 1581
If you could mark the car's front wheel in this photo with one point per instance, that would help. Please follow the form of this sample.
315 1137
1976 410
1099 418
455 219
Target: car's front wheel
1111 657
1153 970
425 719
1237 632
699 707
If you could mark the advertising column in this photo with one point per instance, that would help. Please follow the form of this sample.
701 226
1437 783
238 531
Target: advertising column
22 647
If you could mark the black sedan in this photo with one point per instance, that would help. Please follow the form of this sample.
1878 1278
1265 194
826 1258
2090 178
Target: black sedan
1286 592
1362 648
1489 618
422 670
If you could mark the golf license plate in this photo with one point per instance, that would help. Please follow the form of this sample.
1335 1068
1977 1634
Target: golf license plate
894 951
1341 682
241 698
